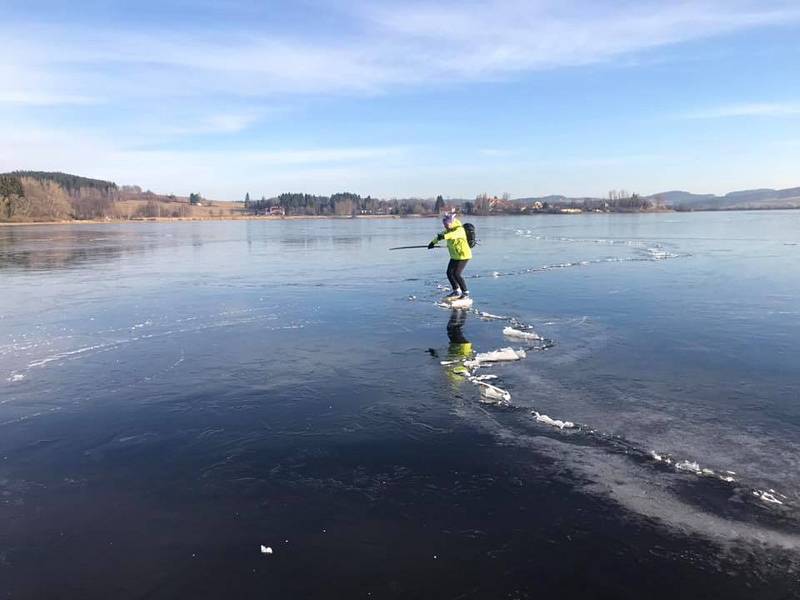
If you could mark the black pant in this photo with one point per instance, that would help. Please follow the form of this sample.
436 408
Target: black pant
454 270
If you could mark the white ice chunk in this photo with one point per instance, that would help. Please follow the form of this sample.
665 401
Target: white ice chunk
503 354
487 315
686 465
459 303
523 335
553 422
767 496
493 393
661 457
266 549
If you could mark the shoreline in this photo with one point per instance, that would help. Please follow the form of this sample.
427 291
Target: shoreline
208 219
342 217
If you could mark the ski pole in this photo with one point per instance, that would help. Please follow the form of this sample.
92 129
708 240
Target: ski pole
409 247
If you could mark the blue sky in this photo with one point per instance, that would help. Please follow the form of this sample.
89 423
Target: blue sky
399 99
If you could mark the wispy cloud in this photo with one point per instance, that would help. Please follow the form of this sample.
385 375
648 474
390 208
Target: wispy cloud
393 44
25 98
84 152
753 109
213 124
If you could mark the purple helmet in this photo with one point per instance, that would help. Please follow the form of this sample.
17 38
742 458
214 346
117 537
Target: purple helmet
448 219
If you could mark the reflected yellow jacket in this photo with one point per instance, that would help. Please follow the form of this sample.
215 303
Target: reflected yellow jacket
457 243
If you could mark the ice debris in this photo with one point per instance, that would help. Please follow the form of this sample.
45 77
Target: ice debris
501 355
553 422
492 393
693 467
489 393
266 549
770 496
523 335
487 315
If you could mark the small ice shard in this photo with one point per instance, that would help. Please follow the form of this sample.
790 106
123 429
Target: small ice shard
503 354
483 377
487 315
16 377
494 393
523 335
266 549
553 422
767 496
692 467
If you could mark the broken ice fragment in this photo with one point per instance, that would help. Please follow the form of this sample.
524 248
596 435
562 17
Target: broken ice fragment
519 334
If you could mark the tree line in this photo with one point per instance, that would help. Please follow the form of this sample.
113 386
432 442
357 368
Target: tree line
41 196
340 204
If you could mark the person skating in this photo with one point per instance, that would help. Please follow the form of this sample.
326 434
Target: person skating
460 254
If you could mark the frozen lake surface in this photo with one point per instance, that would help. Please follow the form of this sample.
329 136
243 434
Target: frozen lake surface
173 396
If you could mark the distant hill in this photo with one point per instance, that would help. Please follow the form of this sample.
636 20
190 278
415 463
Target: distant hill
682 200
678 197
744 199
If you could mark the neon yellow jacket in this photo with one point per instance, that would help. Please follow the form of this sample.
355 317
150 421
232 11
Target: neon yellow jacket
456 241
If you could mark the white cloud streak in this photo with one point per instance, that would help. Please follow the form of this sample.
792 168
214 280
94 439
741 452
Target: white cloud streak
27 98
396 44
214 171
754 109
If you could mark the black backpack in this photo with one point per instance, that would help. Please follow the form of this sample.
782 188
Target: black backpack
469 229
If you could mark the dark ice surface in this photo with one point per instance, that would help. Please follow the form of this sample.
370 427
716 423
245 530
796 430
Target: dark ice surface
173 396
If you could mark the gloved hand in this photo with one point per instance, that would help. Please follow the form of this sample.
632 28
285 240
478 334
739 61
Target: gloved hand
440 236
432 245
